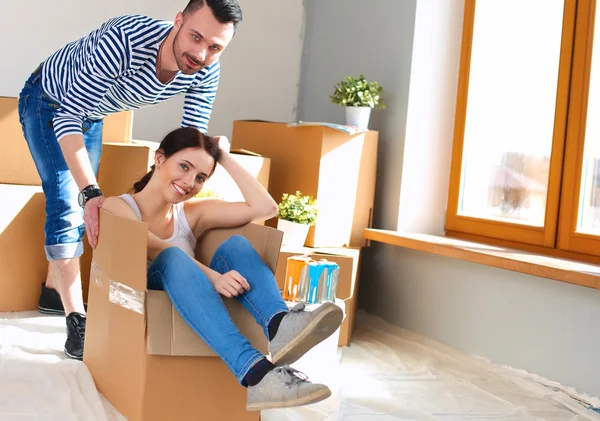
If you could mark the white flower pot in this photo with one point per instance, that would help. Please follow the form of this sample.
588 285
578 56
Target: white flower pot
358 116
294 234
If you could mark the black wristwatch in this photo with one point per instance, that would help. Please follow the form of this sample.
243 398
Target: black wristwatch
88 193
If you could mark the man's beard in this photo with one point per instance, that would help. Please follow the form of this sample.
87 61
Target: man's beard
182 63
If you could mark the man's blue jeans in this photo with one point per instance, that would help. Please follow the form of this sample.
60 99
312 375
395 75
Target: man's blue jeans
201 306
64 217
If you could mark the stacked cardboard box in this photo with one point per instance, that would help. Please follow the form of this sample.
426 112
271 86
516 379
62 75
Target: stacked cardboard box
336 168
144 358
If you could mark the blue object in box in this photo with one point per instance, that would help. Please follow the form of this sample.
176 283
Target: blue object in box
319 282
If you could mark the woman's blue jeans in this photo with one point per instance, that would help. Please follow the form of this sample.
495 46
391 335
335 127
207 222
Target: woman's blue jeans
201 306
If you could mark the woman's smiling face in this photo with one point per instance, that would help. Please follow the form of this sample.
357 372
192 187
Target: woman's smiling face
182 175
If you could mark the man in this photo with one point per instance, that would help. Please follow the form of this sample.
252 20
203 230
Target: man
127 63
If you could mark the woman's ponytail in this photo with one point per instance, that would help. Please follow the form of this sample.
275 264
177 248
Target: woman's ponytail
139 186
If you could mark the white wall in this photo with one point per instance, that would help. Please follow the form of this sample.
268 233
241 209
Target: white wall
349 37
411 46
430 116
261 67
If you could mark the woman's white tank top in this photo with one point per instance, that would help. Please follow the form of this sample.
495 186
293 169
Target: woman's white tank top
183 236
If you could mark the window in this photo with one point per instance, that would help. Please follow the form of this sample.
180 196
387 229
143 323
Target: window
526 156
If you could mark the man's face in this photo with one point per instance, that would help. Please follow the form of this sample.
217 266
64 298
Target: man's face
200 39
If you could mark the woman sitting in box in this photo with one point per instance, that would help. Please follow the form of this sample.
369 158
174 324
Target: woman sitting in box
164 199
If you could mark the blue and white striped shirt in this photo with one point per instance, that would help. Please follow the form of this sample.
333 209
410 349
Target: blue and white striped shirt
114 69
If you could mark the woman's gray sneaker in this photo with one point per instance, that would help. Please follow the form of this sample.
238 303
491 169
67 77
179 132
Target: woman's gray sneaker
301 330
284 387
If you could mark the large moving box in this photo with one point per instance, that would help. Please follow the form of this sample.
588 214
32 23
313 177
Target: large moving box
142 355
336 168
348 259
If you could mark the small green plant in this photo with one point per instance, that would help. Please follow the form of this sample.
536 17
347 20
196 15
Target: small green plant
358 92
298 208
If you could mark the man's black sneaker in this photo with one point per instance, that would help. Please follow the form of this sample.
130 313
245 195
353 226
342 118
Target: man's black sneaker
50 302
75 336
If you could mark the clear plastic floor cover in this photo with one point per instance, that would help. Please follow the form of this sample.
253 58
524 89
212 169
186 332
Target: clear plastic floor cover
388 374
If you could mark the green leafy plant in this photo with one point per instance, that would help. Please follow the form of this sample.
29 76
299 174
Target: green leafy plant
358 92
298 208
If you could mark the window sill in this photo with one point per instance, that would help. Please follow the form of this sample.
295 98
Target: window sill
559 269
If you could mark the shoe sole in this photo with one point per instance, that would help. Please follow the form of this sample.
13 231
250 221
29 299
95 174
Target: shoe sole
319 329
50 311
73 357
314 397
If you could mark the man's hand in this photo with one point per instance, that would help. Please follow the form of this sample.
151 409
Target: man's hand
224 143
231 284
90 218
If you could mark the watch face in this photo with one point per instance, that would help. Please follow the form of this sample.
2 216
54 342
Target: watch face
81 199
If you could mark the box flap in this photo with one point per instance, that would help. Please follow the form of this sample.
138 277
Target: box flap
168 334
121 166
244 152
115 334
121 252
265 240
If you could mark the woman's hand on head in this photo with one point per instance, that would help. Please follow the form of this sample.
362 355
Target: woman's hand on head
231 284
224 143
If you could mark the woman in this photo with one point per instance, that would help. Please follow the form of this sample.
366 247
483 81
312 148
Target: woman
164 198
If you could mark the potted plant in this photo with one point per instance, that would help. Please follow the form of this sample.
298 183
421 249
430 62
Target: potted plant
296 214
359 96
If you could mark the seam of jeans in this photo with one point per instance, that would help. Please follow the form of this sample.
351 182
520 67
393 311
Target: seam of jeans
23 99
51 158
242 296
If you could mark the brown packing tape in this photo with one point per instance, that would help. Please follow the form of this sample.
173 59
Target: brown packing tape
118 293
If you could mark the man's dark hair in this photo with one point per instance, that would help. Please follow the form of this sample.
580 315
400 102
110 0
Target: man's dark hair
225 11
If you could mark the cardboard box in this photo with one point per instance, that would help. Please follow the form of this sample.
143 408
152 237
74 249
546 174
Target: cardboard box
23 264
348 259
134 343
16 164
336 168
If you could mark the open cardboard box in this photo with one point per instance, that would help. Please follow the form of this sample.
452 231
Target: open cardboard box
142 355
336 168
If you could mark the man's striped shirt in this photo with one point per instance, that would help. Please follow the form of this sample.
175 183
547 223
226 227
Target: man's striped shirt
114 69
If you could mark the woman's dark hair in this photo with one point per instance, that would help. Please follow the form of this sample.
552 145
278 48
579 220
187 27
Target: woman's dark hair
225 11
177 140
